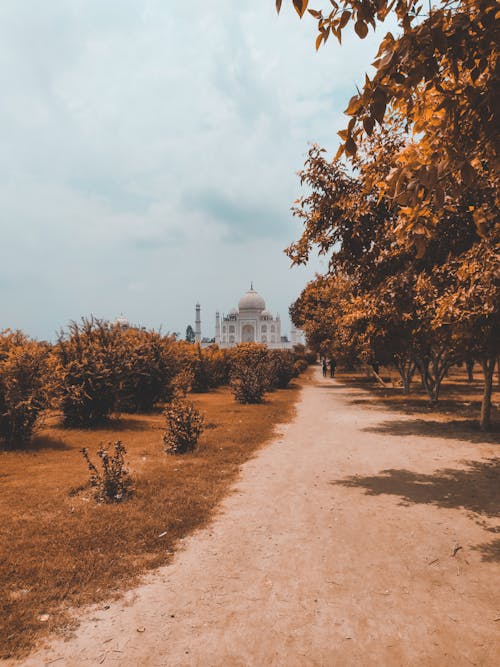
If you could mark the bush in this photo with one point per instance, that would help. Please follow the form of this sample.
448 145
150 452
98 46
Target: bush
103 368
200 370
282 368
114 484
88 371
209 366
300 365
24 386
218 366
146 368
250 372
311 357
184 426
301 352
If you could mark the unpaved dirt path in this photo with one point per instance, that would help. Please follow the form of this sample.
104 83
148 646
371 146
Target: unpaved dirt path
299 569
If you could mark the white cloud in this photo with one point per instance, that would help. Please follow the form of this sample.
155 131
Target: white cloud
149 154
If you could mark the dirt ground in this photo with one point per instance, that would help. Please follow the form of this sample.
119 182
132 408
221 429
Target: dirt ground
345 542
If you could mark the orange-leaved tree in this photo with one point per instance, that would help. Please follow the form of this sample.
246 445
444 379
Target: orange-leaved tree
440 73
469 306
388 291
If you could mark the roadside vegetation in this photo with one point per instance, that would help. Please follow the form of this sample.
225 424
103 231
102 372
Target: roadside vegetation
90 498
407 210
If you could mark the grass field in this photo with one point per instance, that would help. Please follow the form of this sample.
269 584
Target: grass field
60 550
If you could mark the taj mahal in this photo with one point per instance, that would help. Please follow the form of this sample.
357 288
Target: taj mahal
250 322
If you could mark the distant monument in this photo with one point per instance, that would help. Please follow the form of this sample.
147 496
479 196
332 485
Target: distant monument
250 323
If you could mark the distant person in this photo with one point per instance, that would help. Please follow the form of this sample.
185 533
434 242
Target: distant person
324 368
333 365
376 366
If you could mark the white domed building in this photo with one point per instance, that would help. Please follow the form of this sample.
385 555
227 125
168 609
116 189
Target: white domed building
251 323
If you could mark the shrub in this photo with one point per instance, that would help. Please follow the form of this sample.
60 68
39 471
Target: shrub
104 368
282 368
200 370
184 426
24 387
209 366
250 372
88 371
218 365
300 366
301 352
114 484
311 357
146 368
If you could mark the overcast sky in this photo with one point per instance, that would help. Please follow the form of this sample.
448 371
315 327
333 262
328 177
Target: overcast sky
149 151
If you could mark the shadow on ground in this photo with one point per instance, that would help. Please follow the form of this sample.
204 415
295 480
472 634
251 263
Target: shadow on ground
322 385
459 399
490 552
475 488
40 443
456 429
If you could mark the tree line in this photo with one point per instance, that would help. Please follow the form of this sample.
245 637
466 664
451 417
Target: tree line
96 370
407 210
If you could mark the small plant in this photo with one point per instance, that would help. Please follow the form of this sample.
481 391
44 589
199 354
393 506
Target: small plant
184 426
114 484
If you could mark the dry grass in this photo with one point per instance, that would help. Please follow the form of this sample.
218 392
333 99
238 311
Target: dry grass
455 415
61 551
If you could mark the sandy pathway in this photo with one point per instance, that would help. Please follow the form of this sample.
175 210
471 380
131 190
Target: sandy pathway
301 570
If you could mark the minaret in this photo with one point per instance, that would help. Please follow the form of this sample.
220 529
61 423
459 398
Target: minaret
217 327
197 324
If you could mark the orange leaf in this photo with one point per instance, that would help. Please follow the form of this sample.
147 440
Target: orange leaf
278 5
300 6
467 173
319 39
368 124
350 146
421 245
346 15
361 29
354 106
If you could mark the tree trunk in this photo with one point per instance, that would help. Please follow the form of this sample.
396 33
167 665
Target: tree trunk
379 379
469 362
406 368
432 372
488 368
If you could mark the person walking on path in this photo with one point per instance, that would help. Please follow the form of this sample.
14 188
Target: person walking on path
324 367
333 366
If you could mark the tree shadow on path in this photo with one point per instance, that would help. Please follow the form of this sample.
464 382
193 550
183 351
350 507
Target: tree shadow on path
467 430
490 551
475 488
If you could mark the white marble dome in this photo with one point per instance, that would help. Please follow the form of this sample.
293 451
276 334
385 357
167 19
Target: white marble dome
252 300
251 323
